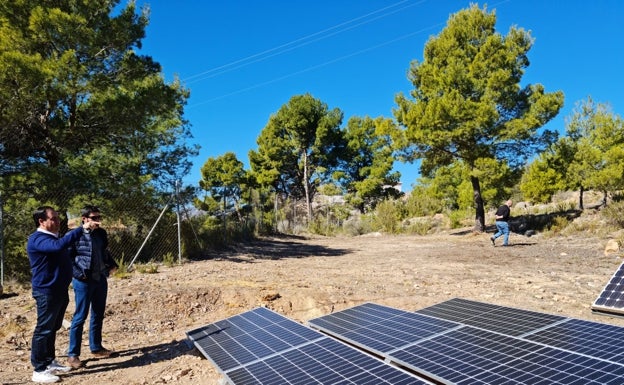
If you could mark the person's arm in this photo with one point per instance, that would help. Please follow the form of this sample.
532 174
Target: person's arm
49 244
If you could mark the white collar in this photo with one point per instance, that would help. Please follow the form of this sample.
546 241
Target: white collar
46 232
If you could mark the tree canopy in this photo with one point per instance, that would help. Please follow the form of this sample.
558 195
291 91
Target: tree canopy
468 104
367 162
79 108
224 179
298 148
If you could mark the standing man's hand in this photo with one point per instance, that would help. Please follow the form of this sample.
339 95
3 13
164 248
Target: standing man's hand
90 225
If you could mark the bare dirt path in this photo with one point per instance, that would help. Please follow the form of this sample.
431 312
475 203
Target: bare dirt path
302 278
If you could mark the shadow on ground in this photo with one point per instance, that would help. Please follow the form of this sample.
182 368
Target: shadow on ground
135 358
273 248
529 224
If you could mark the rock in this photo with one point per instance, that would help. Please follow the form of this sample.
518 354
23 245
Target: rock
612 247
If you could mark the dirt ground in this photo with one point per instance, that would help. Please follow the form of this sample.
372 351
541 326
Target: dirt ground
302 278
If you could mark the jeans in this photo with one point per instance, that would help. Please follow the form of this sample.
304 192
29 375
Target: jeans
91 294
50 312
503 229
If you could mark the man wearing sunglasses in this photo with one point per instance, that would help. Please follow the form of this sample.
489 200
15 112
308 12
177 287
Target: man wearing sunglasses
92 264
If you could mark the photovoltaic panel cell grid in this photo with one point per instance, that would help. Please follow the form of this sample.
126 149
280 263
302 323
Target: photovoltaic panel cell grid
475 356
584 337
263 347
378 328
463 354
502 319
611 299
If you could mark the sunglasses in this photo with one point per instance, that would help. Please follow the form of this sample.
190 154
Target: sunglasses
96 218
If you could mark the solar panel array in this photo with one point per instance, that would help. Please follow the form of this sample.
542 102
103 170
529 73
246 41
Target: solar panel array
468 342
263 347
611 299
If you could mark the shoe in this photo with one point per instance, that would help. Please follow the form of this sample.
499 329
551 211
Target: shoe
45 377
103 353
492 239
56 367
75 362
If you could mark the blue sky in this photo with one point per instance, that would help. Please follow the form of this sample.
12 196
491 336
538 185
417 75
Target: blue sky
242 59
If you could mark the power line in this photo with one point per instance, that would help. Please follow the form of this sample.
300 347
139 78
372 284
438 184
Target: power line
301 42
224 68
258 85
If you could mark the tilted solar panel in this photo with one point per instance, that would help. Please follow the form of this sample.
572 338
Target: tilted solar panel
502 319
263 347
459 353
378 328
611 299
585 337
474 356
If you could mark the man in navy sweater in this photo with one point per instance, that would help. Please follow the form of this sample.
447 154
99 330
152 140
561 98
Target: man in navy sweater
51 270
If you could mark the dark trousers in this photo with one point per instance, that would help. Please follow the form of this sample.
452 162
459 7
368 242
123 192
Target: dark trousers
50 312
89 295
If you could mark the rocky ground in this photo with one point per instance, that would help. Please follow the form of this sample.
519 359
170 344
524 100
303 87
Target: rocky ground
302 278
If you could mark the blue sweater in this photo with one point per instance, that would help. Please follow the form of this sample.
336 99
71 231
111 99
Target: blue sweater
50 262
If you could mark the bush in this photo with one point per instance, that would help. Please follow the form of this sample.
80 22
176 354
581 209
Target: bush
613 214
420 226
558 224
356 225
459 218
387 216
419 204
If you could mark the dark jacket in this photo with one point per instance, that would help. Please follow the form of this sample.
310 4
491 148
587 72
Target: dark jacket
82 251
503 211
50 262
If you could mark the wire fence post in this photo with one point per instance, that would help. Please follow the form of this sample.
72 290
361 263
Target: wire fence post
177 193
1 246
150 232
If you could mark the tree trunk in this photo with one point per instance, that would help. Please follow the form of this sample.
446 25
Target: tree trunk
306 186
581 198
478 202
275 209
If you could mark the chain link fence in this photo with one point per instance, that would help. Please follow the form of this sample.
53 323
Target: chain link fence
154 227
141 229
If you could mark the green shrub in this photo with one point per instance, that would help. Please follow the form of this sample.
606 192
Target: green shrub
149 268
122 269
420 226
420 204
613 214
558 224
356 225
169 259
459 218
387 217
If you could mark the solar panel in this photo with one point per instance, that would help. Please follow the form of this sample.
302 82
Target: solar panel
502 319
611 299
476 343
475 356
585 337
378 328
263 347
